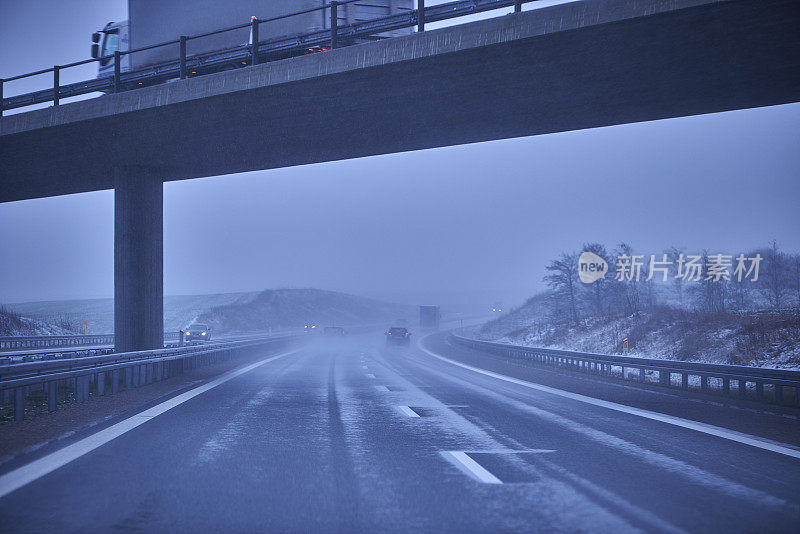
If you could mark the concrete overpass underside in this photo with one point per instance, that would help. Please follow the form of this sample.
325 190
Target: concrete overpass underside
567 67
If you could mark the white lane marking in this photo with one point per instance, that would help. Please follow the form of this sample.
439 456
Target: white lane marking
407 411
381 388
26 474
511 451
370 375
469 466
712 430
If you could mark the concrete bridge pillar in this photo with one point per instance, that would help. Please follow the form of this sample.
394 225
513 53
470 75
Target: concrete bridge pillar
138 259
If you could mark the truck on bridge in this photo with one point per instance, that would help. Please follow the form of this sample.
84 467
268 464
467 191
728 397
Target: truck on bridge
152 23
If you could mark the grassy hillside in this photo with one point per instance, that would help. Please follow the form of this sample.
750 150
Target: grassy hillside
97 315
13 324
768 338
294 308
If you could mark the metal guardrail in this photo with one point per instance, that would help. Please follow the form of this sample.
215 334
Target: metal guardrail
251 54
43 342
104 374
36 342
751 382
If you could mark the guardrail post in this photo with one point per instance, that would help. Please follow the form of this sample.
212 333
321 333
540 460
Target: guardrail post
183 57
84 388
703 383
117 68
726 386
19 403
56 84
760 390
128 377
664 377
101 384
778 394
115 381
517 6
254 32
420 15
334 23
52 395
742 388
685 380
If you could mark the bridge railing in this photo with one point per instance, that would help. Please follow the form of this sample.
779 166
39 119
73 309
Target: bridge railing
73 340
251 54
744 382
25 385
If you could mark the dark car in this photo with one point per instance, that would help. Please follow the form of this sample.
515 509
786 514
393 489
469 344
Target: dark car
196 333
398 335
333 331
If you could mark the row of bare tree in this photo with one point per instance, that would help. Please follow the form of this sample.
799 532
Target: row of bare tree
777 286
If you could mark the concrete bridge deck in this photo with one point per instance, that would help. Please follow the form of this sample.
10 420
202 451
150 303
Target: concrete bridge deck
571 66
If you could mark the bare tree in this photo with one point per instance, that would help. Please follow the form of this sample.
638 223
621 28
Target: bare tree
795 260
597 293
673 253
774 276
563 279
628 290
711 292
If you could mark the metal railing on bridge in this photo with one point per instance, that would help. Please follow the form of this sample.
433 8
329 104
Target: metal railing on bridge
250 54
28 385
755 383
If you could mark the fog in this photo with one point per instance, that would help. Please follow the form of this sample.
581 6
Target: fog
466 225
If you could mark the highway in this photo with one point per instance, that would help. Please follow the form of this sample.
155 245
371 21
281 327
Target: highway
351 435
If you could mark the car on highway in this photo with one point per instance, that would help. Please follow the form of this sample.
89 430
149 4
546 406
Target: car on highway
397 335
197 333
333 331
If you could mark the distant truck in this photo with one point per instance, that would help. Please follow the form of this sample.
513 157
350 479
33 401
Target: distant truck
152 22
429 317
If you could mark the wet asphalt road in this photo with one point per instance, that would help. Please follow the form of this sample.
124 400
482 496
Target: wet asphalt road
349 435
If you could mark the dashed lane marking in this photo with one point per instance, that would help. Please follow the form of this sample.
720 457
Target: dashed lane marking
407 411
466 464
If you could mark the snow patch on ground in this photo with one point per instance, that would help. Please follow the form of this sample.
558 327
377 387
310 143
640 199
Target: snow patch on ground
760 339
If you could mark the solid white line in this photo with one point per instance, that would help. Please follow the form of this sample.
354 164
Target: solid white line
471 467
408 411
511 451
381 388
731 435
26 474
370 375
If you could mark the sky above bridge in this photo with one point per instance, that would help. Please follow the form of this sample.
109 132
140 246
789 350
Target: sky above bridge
469 224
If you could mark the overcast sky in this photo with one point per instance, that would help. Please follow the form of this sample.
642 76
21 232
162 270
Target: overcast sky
472 224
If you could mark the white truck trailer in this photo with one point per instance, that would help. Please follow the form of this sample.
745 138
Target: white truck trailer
151 22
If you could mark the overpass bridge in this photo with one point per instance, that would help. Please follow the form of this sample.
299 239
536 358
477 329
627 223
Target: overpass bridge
572 66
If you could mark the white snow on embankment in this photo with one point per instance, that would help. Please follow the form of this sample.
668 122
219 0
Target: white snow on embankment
761 339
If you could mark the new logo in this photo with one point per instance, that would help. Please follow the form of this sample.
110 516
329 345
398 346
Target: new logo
591 267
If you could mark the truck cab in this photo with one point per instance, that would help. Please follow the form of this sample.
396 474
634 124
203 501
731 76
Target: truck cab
114 36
